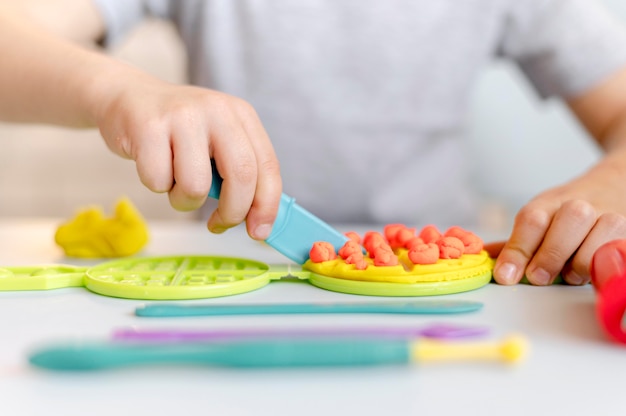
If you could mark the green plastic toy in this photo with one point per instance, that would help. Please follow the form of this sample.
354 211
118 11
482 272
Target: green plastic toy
198 277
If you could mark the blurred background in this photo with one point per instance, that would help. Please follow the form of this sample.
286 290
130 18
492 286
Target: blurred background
52 172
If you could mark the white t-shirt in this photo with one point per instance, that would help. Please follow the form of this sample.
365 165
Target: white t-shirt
365 100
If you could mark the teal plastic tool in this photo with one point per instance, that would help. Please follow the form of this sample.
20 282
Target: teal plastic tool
411 307
295 229
276 353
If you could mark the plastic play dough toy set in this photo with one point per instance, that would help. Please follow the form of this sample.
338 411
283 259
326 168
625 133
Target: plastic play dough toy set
398 261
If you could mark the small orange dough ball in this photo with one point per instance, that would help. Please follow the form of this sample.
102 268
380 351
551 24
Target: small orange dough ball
413 242
349 248
473 244
372 240
358 260
430 234
404 235
398 234
353 237
383 256
390 231
322 251
455 231
424 253
450 248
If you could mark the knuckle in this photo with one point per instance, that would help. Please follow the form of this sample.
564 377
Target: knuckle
242 105
245 172
149 127
533 217
271 167
221 105
550 258
579 210
613 221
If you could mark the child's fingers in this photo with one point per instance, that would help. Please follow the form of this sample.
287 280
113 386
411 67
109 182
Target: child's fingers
494 248
571 224
153 158
531 225
269 183
609 226
191 166
236 162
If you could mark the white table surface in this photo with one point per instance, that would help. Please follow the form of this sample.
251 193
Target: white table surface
571 369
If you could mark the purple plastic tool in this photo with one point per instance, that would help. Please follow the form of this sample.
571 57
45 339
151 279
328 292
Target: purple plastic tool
437 331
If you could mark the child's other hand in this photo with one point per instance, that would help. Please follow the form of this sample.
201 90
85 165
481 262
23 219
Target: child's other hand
559 230
172 132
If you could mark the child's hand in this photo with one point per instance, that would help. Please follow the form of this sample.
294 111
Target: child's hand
172 132
559 230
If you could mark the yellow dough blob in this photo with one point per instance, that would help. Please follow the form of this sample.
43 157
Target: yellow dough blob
92 235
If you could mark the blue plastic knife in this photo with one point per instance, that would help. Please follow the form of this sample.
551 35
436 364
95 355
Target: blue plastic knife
295 229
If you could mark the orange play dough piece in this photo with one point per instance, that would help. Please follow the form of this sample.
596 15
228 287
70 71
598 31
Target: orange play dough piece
450 248
358 259
353 237
390 231
322 251
424 253
384 256
430 234
372 240
415 241
398 234
473 244
349 248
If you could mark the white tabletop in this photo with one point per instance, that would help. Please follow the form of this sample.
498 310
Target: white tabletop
571 369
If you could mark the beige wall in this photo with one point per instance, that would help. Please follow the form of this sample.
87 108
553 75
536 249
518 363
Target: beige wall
49 171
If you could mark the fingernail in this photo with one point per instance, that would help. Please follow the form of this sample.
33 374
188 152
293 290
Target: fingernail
217 229
262 231
574 279
507 273
539 277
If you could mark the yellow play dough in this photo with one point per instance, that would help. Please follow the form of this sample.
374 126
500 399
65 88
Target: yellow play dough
90 234
469 265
